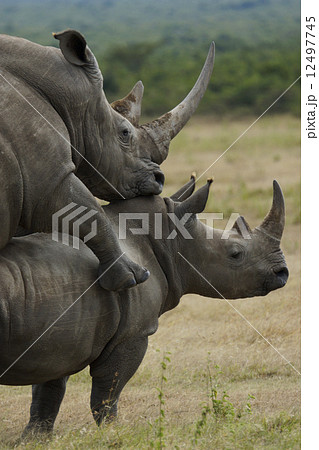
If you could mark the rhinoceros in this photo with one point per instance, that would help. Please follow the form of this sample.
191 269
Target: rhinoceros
61 143
60 320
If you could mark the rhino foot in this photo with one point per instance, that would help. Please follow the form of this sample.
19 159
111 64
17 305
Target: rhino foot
37 430
124 274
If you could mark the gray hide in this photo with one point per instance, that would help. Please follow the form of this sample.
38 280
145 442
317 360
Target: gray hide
109 331
61 142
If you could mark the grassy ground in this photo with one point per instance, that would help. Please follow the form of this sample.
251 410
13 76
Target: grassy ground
202 333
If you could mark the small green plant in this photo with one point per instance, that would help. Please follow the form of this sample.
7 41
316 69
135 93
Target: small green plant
159 422
221 407
248 404
218 407
200 424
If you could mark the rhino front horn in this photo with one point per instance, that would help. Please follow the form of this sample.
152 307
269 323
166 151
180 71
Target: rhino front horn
274 223
164 129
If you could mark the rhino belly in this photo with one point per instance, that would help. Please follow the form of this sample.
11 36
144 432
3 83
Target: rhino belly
40 346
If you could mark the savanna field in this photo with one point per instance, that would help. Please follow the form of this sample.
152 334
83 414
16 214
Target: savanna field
208 380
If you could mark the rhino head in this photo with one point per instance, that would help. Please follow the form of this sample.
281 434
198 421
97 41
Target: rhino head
241 263
127 155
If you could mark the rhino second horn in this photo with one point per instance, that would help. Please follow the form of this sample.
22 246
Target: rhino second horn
131 106
186 191
164 129
196 203
274 223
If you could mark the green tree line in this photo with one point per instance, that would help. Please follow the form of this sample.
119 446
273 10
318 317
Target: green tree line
246 80
164 43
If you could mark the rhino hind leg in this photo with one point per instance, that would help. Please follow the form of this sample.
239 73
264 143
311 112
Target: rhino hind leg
116 271
46 400
110 373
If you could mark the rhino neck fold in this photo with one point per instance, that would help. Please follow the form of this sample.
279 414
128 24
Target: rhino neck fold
168 265
166 253
93 168
162 252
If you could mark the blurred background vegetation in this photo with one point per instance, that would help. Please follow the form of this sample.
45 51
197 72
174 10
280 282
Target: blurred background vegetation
164 43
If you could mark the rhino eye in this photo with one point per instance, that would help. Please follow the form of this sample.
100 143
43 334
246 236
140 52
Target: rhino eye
125 135
236 254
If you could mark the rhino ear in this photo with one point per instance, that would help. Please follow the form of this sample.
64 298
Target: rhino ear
73 46
242 227
130 106
195 203
186 191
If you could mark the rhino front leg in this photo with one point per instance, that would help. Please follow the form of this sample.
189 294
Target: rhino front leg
46 401
116 271
110 374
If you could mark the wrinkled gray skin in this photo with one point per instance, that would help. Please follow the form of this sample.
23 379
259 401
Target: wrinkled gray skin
109 331
41 172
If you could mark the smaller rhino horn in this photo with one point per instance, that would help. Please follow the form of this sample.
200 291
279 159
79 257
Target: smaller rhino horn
130 106
195 203
186 191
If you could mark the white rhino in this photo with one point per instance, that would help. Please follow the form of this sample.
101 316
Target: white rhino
40 280
61 142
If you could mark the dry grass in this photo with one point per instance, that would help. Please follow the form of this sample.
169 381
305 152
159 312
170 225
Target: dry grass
201 329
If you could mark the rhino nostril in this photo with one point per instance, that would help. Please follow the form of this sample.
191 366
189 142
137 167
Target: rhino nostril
159 178
282 273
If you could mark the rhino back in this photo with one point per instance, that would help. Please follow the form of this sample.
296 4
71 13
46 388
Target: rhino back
36 135
42 67
42 101
39 281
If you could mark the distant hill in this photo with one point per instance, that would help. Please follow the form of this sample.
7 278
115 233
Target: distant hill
164 43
